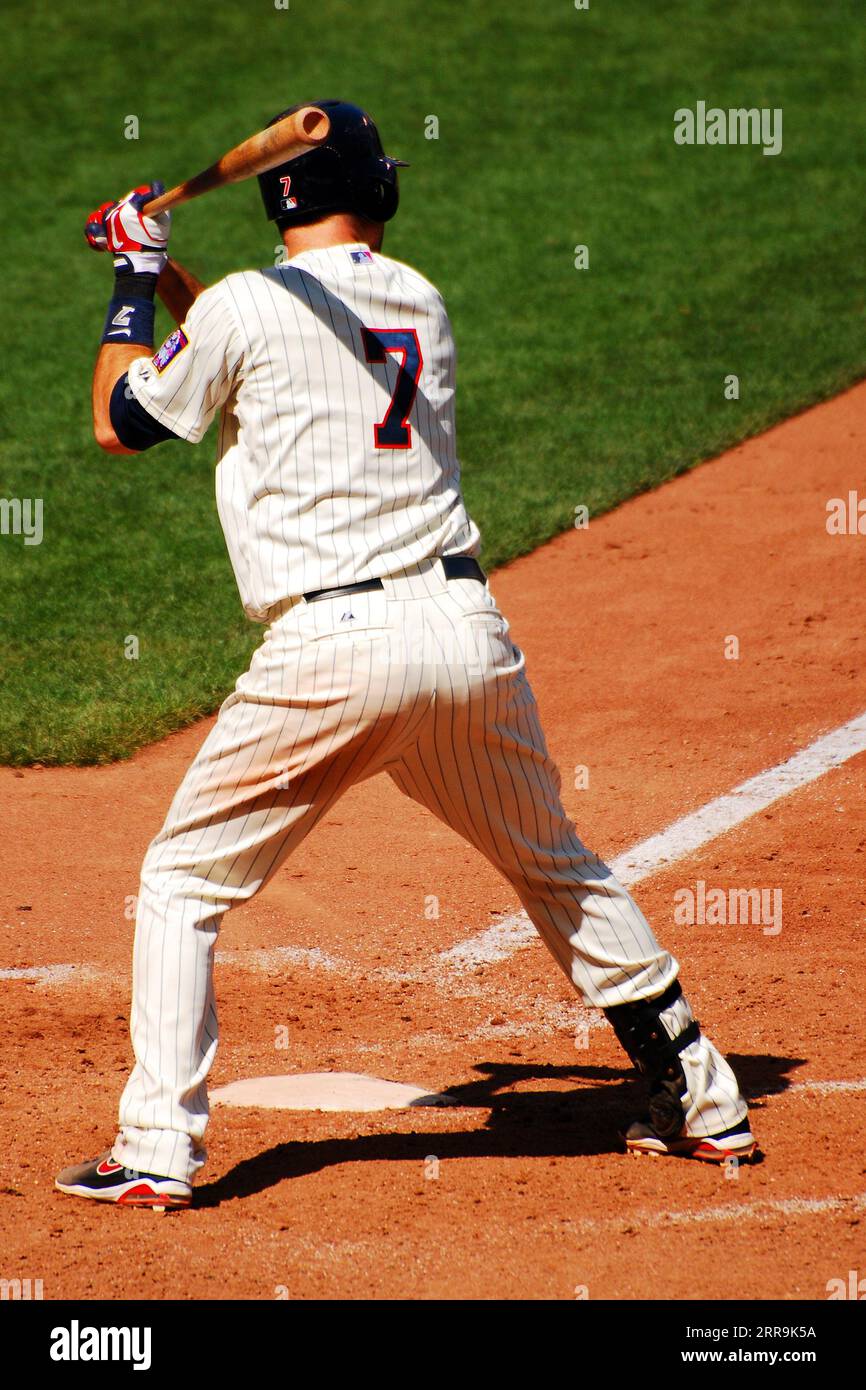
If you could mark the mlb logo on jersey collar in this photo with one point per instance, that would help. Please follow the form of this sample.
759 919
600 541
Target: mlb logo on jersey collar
360 254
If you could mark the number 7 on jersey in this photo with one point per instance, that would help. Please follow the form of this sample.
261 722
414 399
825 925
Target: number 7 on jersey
393 432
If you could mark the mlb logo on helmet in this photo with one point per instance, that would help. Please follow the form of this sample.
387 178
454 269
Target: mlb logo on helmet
286 202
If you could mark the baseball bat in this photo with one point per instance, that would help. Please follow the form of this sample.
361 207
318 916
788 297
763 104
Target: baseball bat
293 135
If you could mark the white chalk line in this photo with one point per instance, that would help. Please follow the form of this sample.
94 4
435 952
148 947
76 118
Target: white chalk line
742 802
320 1251
549 1016
51 974
826 1088
497 942
268 958
790 1207
515 932
502 939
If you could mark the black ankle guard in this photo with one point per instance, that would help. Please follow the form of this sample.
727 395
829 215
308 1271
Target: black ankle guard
641 1033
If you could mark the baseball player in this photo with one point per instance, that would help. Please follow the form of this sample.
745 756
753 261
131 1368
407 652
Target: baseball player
338 490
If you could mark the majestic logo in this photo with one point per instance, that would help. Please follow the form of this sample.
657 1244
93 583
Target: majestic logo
174 343
287 203
121 319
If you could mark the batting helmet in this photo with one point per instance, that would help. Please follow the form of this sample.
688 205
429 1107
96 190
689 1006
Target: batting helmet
350 172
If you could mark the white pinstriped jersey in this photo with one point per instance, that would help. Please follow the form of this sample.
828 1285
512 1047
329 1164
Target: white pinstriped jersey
337 463
337 451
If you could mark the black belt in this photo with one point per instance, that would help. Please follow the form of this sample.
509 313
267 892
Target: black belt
454 567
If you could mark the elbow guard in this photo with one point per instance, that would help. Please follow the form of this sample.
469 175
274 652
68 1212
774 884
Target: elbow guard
134 426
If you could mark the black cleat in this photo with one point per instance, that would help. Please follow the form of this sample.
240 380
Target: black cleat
737 1142
105 1180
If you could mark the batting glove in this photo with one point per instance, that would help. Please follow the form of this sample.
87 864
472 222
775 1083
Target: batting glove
138 243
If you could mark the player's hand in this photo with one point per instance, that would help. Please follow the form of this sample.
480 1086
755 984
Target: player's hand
138 243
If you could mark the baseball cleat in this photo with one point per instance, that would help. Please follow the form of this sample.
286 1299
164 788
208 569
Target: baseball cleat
105 1180
737 1142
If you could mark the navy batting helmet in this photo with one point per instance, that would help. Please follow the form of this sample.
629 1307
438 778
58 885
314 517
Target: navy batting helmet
350 172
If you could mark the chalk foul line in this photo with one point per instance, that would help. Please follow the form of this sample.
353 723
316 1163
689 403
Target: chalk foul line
789 1207
501 940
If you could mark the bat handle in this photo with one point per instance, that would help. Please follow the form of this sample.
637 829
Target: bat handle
181 194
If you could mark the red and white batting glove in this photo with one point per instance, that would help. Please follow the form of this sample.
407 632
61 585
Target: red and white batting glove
138 243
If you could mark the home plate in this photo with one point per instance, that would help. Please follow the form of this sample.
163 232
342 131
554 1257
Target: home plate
326 1090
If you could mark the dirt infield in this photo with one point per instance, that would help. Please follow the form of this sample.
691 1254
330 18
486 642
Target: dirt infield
520 1191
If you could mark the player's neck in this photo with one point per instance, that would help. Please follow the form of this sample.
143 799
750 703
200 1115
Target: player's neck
339 230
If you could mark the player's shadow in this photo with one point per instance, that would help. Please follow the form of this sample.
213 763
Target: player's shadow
575 1120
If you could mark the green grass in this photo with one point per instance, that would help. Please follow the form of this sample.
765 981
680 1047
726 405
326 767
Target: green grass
556 128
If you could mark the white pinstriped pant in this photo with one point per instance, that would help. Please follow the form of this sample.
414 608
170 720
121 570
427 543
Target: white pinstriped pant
422 681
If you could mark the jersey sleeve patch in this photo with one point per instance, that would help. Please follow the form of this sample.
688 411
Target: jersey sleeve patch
174 343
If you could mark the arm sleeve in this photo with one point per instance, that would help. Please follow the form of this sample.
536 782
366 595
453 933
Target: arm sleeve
192 375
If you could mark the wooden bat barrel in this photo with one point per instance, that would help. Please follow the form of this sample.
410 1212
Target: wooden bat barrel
293 135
